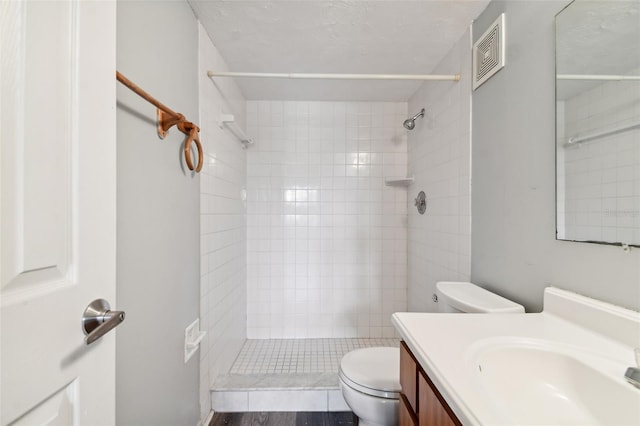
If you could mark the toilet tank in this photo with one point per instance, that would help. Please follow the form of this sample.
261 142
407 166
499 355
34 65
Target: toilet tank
469 298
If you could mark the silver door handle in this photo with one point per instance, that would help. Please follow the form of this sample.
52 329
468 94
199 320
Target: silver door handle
98 319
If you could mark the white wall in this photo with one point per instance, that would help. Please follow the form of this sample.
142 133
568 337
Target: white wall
515 252
439 158
602 191
157 218
326 238
223 229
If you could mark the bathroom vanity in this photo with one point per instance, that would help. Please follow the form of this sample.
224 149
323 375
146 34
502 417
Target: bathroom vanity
565 365
420 401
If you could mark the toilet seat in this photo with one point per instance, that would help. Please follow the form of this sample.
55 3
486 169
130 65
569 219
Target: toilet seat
372 371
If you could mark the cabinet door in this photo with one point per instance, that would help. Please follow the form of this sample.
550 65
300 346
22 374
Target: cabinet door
407 418
408 376
432 411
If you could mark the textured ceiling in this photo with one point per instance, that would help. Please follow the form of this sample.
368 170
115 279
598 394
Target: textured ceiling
392 36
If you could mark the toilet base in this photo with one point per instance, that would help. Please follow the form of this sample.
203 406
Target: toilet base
371 410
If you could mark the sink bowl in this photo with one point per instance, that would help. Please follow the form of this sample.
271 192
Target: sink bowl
547 385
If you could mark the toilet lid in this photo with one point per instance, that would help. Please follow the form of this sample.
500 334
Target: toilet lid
374 371
468 297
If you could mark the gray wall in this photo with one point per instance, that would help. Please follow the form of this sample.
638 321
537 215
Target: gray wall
514 251
158 218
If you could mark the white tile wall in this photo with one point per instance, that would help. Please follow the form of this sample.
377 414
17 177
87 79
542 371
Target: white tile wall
222 225
230 401
327 249
294 400
335 401
600 190
439 158
279 400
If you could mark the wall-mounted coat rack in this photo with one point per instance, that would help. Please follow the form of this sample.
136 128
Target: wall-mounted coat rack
168 118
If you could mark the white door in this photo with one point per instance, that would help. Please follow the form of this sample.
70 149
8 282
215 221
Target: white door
57 210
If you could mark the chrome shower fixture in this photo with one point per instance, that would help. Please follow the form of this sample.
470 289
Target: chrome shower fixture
410 123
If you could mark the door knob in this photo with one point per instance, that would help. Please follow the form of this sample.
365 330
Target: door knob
98 319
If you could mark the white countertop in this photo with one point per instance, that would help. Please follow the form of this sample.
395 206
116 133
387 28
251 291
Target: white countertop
447 347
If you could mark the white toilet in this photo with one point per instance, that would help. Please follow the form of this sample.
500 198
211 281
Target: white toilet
370 377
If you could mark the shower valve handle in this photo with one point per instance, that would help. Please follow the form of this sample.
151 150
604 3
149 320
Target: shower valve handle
421 202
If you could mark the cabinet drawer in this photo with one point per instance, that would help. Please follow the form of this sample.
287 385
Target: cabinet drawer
408 377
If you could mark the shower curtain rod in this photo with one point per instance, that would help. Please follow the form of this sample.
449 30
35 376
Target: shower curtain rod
596 77
578 139
451 77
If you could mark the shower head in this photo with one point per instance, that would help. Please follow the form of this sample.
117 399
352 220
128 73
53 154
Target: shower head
410 123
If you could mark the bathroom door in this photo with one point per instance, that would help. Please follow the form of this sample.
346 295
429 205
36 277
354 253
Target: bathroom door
57 210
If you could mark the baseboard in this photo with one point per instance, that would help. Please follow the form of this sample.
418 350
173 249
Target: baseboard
207 421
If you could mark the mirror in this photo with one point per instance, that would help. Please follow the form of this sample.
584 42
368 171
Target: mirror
598 122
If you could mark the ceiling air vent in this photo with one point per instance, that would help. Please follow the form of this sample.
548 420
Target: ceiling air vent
488 53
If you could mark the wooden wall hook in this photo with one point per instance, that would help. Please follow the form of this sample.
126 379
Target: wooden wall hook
193 136
166 121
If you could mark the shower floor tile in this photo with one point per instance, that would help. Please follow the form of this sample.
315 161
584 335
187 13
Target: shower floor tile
298 356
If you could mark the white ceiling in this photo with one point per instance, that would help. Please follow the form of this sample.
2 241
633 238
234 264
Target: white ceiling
373 37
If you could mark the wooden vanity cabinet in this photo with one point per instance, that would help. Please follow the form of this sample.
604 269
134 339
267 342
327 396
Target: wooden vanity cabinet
407 417
420 402
409 377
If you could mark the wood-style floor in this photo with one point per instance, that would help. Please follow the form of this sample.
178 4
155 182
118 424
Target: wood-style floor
285 419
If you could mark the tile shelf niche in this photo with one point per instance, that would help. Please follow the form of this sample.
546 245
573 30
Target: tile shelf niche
398 181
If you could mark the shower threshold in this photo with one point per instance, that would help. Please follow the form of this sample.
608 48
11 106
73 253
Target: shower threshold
287 375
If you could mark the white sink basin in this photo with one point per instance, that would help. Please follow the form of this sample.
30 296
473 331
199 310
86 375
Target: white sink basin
562 366
542 384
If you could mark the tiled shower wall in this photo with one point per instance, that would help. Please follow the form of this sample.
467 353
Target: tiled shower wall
326 247
222 225
439 158
600 197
